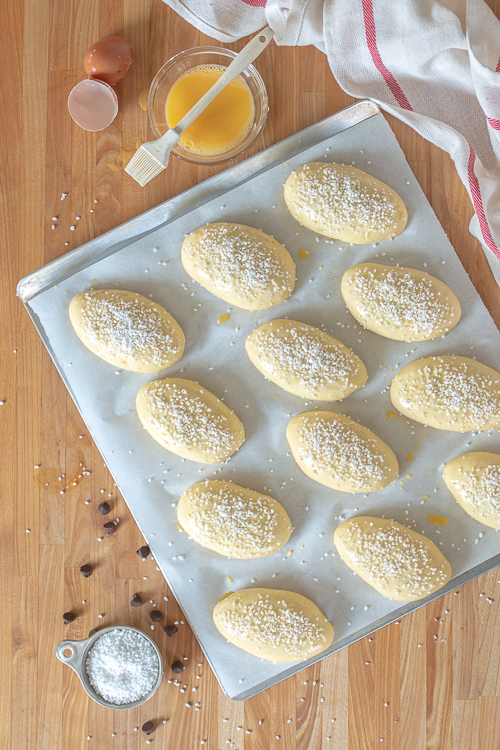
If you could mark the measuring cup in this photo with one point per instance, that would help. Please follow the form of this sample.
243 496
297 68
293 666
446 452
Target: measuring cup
77 656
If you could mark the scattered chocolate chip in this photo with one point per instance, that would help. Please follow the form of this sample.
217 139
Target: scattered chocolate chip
136 601
177 667
104 508
91 632
86 570
110 527
68 617
148 727
144 551
155 616
170 630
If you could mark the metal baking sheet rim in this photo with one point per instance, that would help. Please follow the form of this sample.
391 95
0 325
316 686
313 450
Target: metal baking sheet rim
123 235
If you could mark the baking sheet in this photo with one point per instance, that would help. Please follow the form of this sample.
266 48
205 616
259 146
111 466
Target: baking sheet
151 479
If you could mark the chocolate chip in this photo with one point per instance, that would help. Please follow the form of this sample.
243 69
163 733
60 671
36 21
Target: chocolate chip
136 601
86 570
148 727
104 508
170 630
91 632
177 667
110 527
68 617
155 615
144 551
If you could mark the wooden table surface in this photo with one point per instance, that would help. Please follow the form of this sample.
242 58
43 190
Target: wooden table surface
402 688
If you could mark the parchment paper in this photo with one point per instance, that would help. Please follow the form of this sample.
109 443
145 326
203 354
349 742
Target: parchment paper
151 479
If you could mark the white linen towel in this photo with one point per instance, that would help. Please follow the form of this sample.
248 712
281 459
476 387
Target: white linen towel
434 64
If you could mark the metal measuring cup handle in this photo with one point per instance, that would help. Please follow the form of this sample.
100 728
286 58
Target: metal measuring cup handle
75 658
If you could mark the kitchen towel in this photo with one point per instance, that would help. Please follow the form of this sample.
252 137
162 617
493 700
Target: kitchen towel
434 64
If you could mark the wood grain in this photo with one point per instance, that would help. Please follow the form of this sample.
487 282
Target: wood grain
430 682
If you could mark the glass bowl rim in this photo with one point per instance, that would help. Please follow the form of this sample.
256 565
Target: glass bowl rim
195 51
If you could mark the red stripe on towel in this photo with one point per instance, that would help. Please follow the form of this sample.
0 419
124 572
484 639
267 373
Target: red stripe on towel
495 124
371 39
255 3
478 204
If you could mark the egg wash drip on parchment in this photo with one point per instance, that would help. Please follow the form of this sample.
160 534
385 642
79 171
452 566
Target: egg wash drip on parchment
188 421
233 259
280 628
334 448
388 555
126 328
345 202
401 300
315 363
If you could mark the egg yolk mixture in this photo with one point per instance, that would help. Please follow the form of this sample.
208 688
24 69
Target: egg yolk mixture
226 120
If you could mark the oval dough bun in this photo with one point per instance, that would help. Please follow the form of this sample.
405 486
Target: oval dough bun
449 393
126 329
344 203
272 624
402 304
399 563
232 520
305 361
189 421
241 265
336 451
474 481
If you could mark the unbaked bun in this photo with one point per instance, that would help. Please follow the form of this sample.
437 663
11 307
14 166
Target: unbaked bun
189 421
344 203
305 361
241 265
126 329
474 481
402 304
336 451
232 520
399 563
448 393
273 624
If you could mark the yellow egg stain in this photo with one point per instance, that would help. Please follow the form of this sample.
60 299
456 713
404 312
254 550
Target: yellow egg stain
426 497
118 163
224 318
289 552
409 476
179 527
226 595
390 414
142 99
55 482
229 579
276 395
410 457
303 254
437 520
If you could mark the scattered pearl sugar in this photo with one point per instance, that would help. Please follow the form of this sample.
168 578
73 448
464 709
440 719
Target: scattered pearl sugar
122 666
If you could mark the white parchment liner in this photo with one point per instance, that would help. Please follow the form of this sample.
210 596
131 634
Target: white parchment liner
151 479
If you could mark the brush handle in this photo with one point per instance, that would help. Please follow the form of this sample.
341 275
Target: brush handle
245 57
